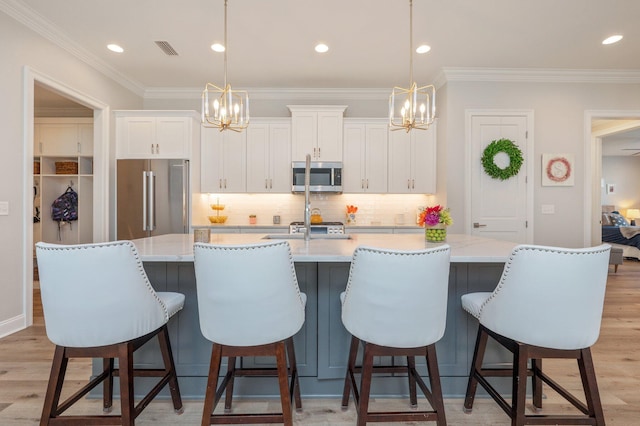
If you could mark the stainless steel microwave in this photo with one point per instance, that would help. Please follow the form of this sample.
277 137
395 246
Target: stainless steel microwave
324 176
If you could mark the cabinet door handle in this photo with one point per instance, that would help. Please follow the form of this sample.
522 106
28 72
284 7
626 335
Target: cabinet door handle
319 155
220 183
413 184
408 183
157 149
266 185
270 183
225 183
367 183
79 148
478 225
362 184
314 153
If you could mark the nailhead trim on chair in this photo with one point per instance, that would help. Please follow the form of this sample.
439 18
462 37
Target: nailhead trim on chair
134 251
210 246
531 248
390 253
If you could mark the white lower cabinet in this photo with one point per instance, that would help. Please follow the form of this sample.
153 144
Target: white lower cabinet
412 161
365 156
223 160
269 156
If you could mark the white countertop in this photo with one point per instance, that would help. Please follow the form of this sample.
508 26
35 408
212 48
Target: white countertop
464 248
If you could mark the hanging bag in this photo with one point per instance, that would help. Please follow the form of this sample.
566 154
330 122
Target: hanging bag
64 209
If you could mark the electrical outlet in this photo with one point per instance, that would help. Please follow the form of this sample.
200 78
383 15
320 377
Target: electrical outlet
4 208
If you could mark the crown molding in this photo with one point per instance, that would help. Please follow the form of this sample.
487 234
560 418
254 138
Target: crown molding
273 93
32 20
532 75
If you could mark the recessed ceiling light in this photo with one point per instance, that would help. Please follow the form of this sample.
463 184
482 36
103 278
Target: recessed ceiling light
322 48
423 48
115 48
217 47
613 39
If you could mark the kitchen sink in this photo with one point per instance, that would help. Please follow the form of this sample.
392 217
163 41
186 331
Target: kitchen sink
312 236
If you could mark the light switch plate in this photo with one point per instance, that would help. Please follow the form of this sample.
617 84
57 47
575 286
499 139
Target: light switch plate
4 208
548 209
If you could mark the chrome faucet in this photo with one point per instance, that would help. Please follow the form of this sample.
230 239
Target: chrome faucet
307 203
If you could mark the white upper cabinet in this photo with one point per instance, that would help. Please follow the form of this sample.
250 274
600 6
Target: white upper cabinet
269 156
365 156
223 161
155 134
63 136
317 130
412 161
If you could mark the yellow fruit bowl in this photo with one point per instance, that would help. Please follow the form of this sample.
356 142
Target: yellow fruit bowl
217 207
217 219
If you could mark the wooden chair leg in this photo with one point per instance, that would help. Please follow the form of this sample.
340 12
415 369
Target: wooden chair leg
293 371
436 386
365 386
349 379
519 386
228 393
476 366
212 384
54 388
592 395
411 366
536 385
125 367
283 381
169 366
107 385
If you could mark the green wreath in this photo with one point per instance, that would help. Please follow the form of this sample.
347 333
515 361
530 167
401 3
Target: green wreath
515 159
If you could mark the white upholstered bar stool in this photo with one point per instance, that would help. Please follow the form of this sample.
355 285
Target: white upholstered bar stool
249 304
548 304
395 303
98 303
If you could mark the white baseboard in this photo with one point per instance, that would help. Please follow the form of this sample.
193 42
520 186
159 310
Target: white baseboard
12 325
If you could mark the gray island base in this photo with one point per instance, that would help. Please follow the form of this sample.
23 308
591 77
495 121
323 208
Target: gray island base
322 345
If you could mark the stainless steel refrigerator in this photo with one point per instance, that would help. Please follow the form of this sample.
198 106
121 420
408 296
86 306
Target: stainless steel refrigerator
152 198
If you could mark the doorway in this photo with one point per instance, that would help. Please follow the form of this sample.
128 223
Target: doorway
599 124
44 86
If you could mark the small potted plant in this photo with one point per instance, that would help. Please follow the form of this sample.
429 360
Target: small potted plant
435 221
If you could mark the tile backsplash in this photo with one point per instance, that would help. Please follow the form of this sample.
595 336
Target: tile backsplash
373 209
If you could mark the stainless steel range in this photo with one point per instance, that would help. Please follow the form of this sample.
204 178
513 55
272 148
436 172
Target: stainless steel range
319 228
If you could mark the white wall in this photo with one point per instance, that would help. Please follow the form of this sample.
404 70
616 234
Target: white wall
624 174
559 111
21 47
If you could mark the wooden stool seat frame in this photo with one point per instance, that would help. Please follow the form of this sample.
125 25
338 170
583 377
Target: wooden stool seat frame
361 393
52 409
593 413
289 391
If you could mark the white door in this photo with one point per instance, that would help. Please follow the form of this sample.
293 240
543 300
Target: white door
500 208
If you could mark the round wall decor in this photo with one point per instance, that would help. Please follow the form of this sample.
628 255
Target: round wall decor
507 147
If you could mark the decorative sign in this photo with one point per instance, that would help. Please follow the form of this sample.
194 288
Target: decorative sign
558 170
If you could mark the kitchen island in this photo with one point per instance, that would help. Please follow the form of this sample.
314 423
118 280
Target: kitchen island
322 268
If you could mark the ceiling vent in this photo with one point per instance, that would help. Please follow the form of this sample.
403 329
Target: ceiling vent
166 48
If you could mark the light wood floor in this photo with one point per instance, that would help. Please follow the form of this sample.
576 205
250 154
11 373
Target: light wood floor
25 359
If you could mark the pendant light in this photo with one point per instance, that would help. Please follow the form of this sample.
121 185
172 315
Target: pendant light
414 107
224 108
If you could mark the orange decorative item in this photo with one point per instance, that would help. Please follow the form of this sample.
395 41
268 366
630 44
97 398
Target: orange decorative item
351 214
316 216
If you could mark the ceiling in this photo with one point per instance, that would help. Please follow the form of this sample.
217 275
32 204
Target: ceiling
271 42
